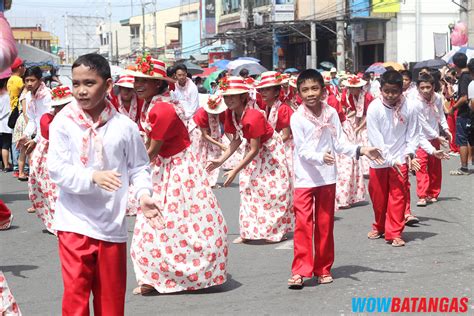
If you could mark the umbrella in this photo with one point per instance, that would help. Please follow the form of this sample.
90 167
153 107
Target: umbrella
249 58
394 65
208 71
376 68
327 64
469 51
193 69
290 70
210 78
430 63
221 64
254 69
236 63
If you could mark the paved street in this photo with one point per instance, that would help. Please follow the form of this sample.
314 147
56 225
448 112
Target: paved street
437 261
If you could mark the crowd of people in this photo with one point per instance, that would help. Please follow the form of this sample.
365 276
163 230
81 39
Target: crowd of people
150 145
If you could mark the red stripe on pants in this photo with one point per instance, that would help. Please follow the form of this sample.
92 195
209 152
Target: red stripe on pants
314 211
93 265
388 190
4 211
429 177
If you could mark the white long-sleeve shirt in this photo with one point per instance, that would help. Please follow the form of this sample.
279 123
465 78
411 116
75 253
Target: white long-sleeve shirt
35 109
310 169
395 140
188 96
82 207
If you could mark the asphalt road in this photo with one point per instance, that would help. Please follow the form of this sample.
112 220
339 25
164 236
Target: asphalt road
436 262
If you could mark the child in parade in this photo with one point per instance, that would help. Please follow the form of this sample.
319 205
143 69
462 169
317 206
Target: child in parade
431 116
317 134
43 193
393 127
209 118
190 251
94 153
127 102
265 205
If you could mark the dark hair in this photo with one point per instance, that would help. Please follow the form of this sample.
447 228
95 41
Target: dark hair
309 74
95 62
406 73
170 71
470 65
243 72
391 77
425 78
181 67
436 74
163 86
460 60
213 82
3 82
33 71
198 80
388 68
366 76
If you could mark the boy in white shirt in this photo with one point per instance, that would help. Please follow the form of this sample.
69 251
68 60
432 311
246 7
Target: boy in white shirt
94 154
392 126
431 116
317 134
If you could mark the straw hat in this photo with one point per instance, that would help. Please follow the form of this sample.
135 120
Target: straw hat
213 104
354 82
233 85
270 79
125 81
150 68
61 95
333 70
292 81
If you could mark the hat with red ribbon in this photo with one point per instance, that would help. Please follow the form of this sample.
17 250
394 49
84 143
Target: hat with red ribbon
271 79
233 85
125 81
61 95
214 104
354 82
148 67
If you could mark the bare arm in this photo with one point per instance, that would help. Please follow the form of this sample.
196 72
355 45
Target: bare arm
286 134
154 149
254 149
207 137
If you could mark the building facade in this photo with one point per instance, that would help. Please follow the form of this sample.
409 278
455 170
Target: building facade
34 36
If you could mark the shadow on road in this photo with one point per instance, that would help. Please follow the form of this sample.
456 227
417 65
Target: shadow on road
348 272
449 198
11 197
411 236
425 219
230 285
18 269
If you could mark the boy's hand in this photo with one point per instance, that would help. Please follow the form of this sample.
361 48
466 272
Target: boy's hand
443 141
440 154
329 159
373 153
449 135
151 211
108 180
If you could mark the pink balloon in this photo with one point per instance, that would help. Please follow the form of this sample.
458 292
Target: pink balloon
461 27
8 50
458 38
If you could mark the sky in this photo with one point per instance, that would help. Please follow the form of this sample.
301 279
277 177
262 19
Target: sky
50 13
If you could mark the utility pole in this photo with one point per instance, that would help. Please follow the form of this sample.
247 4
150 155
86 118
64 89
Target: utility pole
109 33
314 53
67 39
340 49
143 25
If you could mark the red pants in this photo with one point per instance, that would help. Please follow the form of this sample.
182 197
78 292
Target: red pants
314 212
408 198
92 265
388 191
4 211
428 179
451 120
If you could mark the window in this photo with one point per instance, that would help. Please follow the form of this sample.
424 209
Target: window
135 31
259 3
231 6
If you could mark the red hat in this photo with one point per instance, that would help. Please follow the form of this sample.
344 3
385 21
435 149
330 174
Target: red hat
16 63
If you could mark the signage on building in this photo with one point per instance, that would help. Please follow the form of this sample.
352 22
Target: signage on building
215 56
385 6
209 18
359 8
283 10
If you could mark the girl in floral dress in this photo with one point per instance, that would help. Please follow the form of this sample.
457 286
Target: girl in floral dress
350 186
356 99
265 191
278 113
43 192
17 134
209 118
190 251
8 305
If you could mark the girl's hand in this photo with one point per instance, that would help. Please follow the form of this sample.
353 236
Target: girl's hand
329 159
214 165
230 176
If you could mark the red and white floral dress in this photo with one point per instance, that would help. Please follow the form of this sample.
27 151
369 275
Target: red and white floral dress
133 112
350 186
190 252
265 191
8 305
360 106
42 191
208 151
279 118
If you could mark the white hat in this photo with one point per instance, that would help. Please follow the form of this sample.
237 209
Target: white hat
61 95
150 68
214 104
125 81
233 85
354 82
333 69
271 79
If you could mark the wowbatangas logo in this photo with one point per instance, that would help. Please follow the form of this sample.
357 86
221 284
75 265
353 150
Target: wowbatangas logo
409 305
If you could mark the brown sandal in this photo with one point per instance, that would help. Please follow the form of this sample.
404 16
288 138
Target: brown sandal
398 242
143 289
374 234
295 282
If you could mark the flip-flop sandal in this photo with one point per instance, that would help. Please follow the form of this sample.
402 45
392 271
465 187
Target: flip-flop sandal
432 200
458 172
325 279
31 210
142 290
421 203
398 242
239 240
411 220
295 282
374 235
7 224
25 179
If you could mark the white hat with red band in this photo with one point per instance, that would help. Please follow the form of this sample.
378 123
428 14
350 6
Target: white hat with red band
61 95
354 82
125 81
271 79
214 104
150 68
292 81
233 85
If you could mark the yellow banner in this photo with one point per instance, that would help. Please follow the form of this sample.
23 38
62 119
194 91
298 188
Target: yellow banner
385 6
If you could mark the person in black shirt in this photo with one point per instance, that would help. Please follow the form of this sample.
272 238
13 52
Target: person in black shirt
464 120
